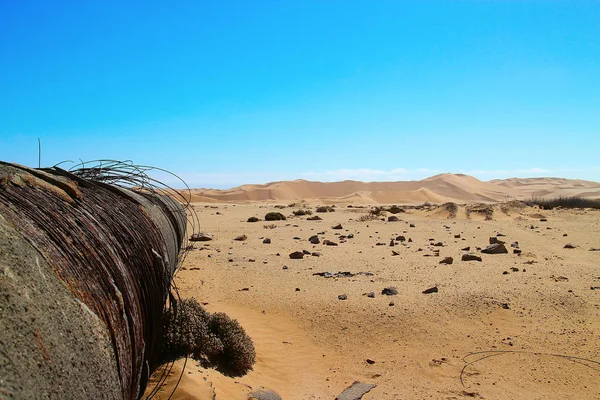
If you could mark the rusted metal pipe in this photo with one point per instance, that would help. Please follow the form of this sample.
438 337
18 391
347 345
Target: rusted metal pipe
86 268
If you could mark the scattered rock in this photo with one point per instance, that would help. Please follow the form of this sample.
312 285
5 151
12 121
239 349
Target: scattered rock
263 394
297 289
369 361
515 245
401 238
457 236
253 219
439 244
470 257
314 218
569 246
306 252
350 236
329 243
355 391
314 239
297 255
315 254
516 251
201 237
267 241
395 253
285 267
393 218
447 260
412 225
391 304
241 238
389 291
595 249
430 290
496 248
392 243
342 297
560 278
494 239
468 248
371 295
338 226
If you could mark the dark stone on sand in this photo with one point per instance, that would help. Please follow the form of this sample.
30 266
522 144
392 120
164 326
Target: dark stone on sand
430 290
297 255
342 297
496 248
267 241
470 257
389 291
447 260
201 237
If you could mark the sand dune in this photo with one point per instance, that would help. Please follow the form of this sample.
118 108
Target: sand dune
551 187
439 188
436 189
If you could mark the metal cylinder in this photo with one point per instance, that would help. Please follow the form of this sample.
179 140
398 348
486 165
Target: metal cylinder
85 272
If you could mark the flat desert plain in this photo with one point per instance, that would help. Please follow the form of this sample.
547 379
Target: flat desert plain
511 326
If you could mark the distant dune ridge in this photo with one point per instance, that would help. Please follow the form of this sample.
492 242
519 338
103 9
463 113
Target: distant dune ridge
436 189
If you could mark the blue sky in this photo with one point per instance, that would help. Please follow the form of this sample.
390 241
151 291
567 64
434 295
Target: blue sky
231 92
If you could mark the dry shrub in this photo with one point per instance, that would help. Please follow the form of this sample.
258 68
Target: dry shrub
566 202
302 212
324 209
212 339
274 216
451 208
395 209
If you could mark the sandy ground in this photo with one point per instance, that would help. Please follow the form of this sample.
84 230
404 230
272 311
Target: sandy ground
511 323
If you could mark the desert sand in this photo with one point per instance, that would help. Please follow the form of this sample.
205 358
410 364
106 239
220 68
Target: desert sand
512 326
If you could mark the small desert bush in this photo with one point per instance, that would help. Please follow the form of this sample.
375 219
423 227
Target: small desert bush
212 339
395 209
566 202
368 217
451 208
377 211
302 212
274 216
324 209
253 219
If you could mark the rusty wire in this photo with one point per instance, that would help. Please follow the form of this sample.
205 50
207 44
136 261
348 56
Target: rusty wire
137 177
102 243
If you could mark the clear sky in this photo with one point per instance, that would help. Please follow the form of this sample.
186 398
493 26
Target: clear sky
229 92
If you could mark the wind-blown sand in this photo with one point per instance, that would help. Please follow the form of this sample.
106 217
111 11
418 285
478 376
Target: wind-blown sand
540 306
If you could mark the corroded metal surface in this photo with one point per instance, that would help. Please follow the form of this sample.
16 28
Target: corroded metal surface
116 251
